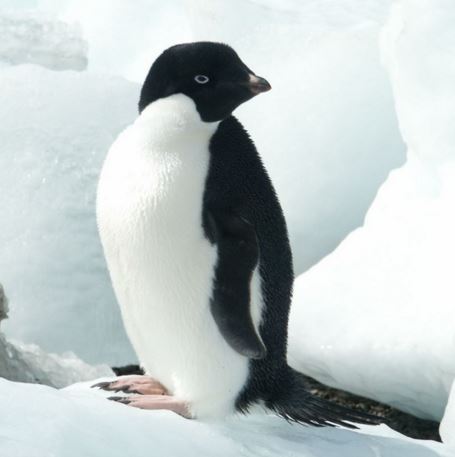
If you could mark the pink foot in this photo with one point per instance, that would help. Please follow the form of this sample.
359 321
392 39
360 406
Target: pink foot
156 402
144 385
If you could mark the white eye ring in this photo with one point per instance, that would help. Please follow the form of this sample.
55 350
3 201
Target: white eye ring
201 79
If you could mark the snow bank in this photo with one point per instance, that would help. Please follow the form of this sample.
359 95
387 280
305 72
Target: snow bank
38 421
377 317
35 38
56 128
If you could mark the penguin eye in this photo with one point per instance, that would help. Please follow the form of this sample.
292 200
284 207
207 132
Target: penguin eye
201 79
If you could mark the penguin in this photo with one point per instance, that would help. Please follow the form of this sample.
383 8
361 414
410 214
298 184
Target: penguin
197 249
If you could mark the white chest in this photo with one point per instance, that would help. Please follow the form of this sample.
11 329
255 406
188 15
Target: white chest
149 209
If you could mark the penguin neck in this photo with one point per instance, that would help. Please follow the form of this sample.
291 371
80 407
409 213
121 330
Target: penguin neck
173 119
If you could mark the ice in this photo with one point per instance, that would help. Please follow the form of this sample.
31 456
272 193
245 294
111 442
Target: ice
56 128
377 316
38 421
30 37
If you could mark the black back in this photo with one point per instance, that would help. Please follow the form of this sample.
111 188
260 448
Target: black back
238 182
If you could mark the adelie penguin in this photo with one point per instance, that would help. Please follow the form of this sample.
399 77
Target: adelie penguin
197 248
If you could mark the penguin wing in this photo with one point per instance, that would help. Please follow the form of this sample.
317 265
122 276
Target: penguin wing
238 254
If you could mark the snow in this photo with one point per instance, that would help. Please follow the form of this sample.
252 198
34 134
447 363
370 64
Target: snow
39 421
29 37
447 427
56 128
377 317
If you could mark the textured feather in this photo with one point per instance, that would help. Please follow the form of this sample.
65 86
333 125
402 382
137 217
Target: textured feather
297 404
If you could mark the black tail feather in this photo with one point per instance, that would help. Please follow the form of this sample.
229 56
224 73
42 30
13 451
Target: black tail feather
296 404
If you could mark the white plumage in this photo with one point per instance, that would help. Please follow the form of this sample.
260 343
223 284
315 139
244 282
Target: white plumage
149 209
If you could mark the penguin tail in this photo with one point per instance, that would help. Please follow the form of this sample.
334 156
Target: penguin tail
297 404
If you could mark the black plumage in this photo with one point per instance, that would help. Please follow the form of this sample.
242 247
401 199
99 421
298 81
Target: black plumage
238 186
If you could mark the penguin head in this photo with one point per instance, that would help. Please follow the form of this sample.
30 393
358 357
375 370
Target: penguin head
211 74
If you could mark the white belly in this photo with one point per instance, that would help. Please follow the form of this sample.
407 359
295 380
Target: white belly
149 209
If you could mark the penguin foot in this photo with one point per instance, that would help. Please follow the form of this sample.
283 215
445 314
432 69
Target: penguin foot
166 402
142 385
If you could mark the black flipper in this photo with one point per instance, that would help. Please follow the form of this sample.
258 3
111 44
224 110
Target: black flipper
238 254
297 404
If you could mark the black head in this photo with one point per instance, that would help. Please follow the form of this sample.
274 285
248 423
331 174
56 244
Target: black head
211 74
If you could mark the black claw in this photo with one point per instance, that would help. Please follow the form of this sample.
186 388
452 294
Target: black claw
123 400
102 385
107 385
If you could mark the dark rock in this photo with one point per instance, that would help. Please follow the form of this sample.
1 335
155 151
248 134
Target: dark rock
3 304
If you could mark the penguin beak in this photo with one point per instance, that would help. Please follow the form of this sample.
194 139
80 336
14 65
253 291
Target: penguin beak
257 85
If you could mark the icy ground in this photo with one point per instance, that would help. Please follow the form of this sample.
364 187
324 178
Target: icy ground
38 421
377 317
